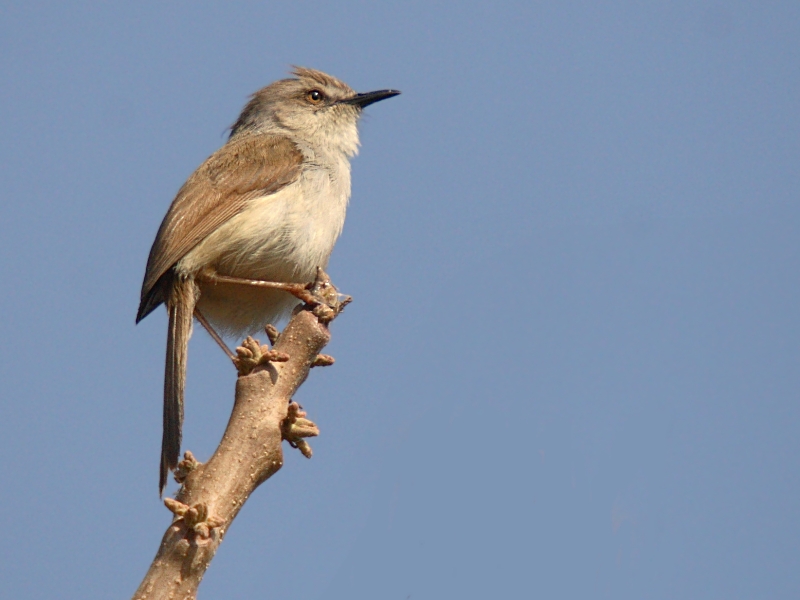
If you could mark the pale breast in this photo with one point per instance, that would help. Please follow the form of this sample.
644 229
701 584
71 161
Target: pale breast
286 234
281 237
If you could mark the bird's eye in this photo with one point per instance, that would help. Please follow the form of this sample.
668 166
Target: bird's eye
315 96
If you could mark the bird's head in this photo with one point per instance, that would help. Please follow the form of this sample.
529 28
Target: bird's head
312 107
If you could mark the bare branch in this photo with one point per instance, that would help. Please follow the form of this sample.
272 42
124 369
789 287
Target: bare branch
250 451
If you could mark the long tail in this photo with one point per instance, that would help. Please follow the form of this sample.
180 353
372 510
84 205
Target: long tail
180 305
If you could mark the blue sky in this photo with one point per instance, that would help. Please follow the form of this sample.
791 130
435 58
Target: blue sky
570 370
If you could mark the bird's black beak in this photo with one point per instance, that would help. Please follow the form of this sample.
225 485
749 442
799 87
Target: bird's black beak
364 100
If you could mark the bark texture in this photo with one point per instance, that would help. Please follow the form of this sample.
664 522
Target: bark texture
250 452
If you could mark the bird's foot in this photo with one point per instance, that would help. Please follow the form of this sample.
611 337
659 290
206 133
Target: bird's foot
326 301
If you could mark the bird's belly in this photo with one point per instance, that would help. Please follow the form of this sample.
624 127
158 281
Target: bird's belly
282 237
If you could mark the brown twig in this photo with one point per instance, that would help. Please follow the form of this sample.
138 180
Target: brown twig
250 452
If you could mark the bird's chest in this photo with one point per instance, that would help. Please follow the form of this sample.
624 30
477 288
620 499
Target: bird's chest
315 221
285 236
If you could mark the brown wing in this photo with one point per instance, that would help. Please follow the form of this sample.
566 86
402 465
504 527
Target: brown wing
241 170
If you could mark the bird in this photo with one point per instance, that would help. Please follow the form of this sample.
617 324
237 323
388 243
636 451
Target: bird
256 218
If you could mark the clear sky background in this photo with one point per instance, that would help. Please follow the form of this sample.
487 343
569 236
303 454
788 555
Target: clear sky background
571 366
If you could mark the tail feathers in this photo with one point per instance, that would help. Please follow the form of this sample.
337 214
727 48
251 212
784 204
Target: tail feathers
181 305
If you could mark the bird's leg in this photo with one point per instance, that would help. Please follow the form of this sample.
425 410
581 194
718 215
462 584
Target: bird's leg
298 290
320 294
199 316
